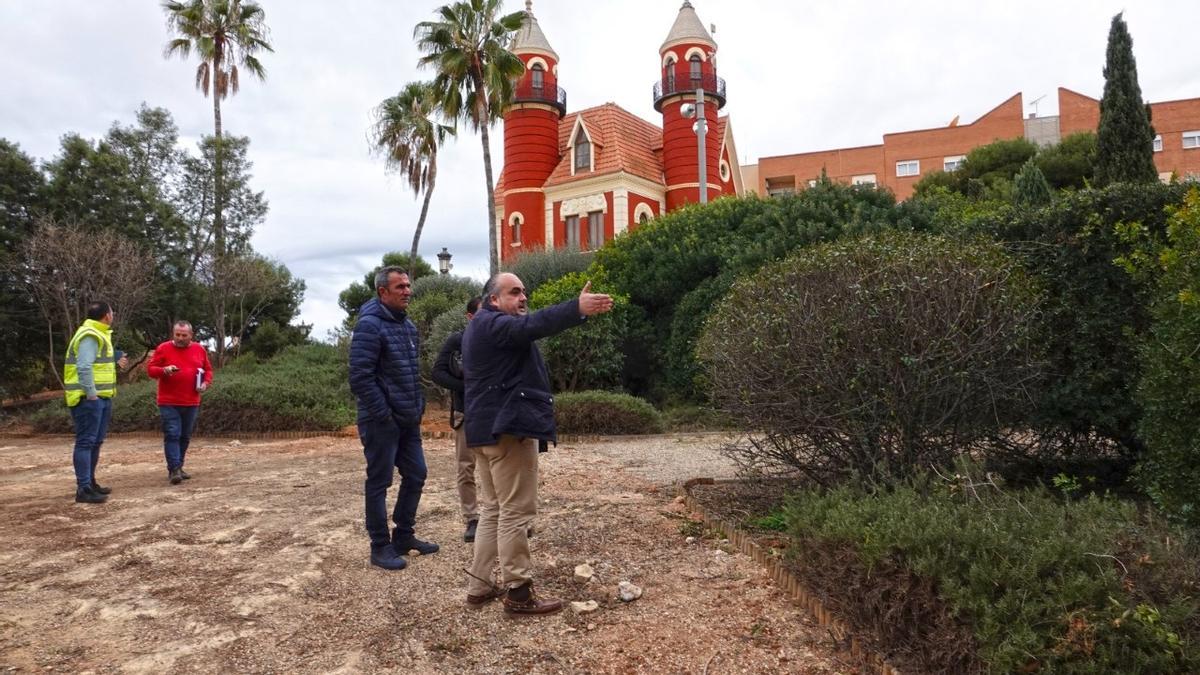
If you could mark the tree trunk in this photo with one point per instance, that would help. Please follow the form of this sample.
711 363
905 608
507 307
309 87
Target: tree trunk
218 206
412 258
483 117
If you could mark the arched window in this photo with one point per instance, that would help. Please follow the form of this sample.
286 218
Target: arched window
670 67
694 64
516 229
583 151
538 77
644 218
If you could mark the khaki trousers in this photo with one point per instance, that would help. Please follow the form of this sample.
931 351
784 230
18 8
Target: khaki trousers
508 475
466 475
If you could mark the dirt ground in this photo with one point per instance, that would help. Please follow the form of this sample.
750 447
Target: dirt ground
259 564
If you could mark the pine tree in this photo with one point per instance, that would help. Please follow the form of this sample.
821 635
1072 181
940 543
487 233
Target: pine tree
1125 142
1030 187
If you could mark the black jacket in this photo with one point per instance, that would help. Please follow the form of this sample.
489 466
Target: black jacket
506 385
385 373
447 373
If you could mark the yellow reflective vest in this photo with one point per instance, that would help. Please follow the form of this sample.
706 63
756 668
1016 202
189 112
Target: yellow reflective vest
104 370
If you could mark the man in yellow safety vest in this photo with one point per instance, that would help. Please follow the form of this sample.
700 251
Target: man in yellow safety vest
90 382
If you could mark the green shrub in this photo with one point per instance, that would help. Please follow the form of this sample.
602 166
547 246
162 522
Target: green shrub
873 356
588 356
1039 585
536 267
304 388
603 412
1169 391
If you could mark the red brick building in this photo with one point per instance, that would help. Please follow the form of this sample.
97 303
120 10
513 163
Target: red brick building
580 179
905 156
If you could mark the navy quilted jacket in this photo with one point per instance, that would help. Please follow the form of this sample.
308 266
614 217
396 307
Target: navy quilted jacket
385 367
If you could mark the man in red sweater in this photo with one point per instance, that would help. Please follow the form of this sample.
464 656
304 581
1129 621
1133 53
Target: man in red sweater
183 373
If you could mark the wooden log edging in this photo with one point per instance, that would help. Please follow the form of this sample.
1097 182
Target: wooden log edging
785 580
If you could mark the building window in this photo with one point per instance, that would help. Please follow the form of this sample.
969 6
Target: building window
724 170
954 163
538 77
865 179
583 151
595 230
516 230
670 76
1158 143
573 232
643 219
781 185
910 167
1191 139
694 64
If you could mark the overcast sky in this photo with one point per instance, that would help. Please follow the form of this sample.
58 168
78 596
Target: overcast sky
801 76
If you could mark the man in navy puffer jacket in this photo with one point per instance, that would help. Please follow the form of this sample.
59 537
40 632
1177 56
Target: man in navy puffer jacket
385 379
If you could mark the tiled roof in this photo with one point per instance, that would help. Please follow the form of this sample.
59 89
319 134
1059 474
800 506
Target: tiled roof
621 141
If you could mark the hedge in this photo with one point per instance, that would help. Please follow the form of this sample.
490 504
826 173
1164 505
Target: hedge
603 412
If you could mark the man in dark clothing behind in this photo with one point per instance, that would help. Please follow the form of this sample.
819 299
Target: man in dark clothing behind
447 373
509 411
385 379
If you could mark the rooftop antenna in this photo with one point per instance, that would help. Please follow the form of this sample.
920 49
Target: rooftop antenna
712 28
1034 103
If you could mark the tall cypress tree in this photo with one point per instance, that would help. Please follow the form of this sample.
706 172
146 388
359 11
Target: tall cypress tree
1125 142
1030 188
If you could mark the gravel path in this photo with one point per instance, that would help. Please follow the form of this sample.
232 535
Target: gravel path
259 564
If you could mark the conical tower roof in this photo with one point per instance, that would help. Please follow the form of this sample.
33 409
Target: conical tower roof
530 37
688 28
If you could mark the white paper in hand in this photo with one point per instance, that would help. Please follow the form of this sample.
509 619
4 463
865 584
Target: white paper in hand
199 378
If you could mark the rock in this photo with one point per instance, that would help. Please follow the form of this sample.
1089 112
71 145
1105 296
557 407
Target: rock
585 607
235 443
591 626
680 499
689 540
628 592
584 573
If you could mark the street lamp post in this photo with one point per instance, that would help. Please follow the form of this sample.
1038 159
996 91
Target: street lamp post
701 128
444 261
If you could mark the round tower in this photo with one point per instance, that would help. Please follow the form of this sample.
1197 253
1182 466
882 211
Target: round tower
688 62
530 140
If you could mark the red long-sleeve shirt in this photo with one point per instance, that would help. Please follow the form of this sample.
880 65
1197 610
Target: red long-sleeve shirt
179 388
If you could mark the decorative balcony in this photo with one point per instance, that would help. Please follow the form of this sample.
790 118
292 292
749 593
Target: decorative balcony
549 94
713 86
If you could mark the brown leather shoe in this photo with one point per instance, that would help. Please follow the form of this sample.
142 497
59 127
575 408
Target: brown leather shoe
478 601
531 605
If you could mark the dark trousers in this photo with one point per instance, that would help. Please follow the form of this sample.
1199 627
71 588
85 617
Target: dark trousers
91 426
390 448
178 421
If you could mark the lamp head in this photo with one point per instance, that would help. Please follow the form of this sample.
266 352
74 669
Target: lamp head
688 110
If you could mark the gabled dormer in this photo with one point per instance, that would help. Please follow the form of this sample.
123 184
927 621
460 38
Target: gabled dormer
581 149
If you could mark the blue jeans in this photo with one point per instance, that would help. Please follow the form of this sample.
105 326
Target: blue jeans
91 426
388 448
177 424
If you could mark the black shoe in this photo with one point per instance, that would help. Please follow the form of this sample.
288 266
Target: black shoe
469 535
86 495
184 474
96 487
414 544
387 558
175 476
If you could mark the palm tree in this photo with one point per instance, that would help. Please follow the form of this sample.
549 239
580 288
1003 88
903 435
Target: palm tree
226 35
468 48
408 132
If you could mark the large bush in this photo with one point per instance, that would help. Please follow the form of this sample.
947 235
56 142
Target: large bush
605 412
536 267
1169 391
958 576
661 263
877 355
303 388
590 356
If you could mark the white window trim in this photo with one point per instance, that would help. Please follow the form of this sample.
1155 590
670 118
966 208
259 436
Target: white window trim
1194 136
537 60
956 160
864 179
1158 143
695 50
512 219
639 210
916 168
724 170
669 57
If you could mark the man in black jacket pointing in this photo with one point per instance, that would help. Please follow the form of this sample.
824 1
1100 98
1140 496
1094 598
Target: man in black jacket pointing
509 410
